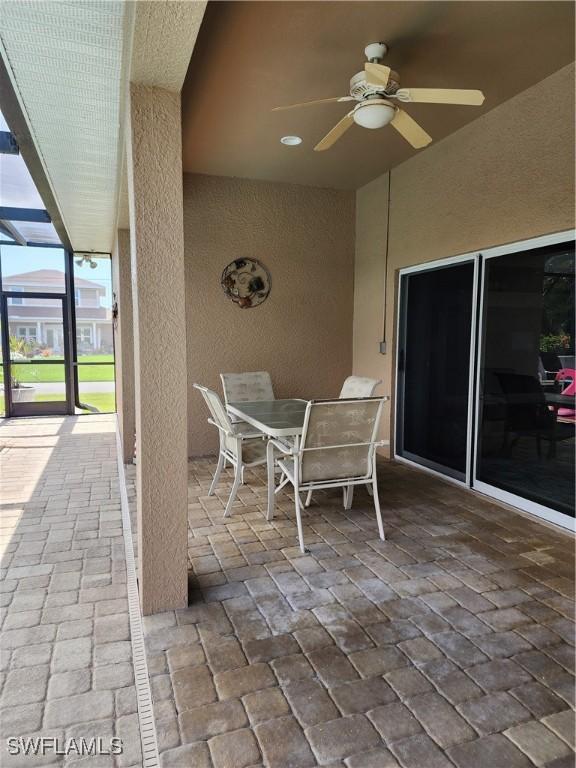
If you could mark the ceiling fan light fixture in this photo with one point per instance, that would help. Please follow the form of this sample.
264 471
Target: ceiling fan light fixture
374 114
291 141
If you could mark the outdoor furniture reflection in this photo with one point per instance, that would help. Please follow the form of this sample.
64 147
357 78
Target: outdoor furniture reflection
532 413
359 386
238 445
337 450
567 378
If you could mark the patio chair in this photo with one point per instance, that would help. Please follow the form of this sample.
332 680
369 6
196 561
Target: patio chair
354 387
358 386
243 449
337 450
247 387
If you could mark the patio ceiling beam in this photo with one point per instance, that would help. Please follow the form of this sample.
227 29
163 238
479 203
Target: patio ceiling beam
164 38
11 231
24 214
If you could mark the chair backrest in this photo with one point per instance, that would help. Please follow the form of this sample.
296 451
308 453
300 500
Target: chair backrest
219 416
245 387
525 402
550 362
339 438
359 386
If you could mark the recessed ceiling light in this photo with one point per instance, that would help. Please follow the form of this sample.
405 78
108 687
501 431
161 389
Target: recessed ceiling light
291 141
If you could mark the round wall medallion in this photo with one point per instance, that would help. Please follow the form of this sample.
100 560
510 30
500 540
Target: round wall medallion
247 282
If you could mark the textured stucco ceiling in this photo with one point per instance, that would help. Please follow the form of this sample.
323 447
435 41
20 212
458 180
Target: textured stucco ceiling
253 56
66 63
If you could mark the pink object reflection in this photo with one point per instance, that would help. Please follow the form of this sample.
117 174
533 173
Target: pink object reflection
567 373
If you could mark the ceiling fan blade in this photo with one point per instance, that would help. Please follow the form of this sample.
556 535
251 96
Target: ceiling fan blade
377 74
410 130
311 103
441 96
332 136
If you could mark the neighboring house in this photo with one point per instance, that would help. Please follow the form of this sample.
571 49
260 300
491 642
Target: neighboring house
40 320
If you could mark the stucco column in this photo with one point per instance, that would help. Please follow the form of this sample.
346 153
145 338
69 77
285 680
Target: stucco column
124 343
154 164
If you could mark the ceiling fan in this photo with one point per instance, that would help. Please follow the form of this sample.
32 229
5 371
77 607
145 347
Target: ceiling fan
374 89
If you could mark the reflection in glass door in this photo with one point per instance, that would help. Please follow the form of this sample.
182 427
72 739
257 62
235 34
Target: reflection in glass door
526 380
37 365
494 407
435 350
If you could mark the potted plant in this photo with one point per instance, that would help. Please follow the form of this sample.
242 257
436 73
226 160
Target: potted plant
20 349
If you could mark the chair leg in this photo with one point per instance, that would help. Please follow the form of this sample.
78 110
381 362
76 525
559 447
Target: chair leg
299 523
216 478
297 503
235 485
377 507
348 496
308 498
270 467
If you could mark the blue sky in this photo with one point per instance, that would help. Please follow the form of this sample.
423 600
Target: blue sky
17 259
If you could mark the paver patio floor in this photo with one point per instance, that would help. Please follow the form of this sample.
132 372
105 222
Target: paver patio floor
450 644
65 648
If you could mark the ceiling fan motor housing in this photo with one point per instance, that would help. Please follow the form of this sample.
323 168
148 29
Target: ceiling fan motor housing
360 88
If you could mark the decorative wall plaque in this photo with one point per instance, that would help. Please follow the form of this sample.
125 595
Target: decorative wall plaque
246 282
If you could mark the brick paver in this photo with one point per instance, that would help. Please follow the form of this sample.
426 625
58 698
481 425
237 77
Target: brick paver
65 650
451 643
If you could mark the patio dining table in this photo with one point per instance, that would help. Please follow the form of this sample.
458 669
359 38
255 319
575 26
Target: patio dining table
280 419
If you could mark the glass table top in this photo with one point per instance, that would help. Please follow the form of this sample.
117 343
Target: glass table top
274 417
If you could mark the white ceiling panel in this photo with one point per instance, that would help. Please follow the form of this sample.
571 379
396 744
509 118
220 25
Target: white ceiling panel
66 61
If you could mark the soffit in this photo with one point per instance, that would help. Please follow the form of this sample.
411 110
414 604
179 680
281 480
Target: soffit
66 64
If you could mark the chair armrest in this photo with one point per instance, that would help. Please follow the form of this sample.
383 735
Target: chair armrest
247 435
220 428
288 450
240 435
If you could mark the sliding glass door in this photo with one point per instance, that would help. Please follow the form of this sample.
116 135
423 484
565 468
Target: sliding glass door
526 414
486 373
436 341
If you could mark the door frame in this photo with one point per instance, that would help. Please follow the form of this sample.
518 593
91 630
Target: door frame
539 510
472 482
71 354
44 408
473 257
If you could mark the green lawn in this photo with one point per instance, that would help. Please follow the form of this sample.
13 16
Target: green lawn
28 373
103 401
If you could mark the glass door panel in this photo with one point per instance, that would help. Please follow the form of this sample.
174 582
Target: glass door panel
526 413
38 360
434 390
94 363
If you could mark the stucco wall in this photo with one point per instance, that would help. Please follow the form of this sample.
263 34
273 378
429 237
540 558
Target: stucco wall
507 176
302 334
157 257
